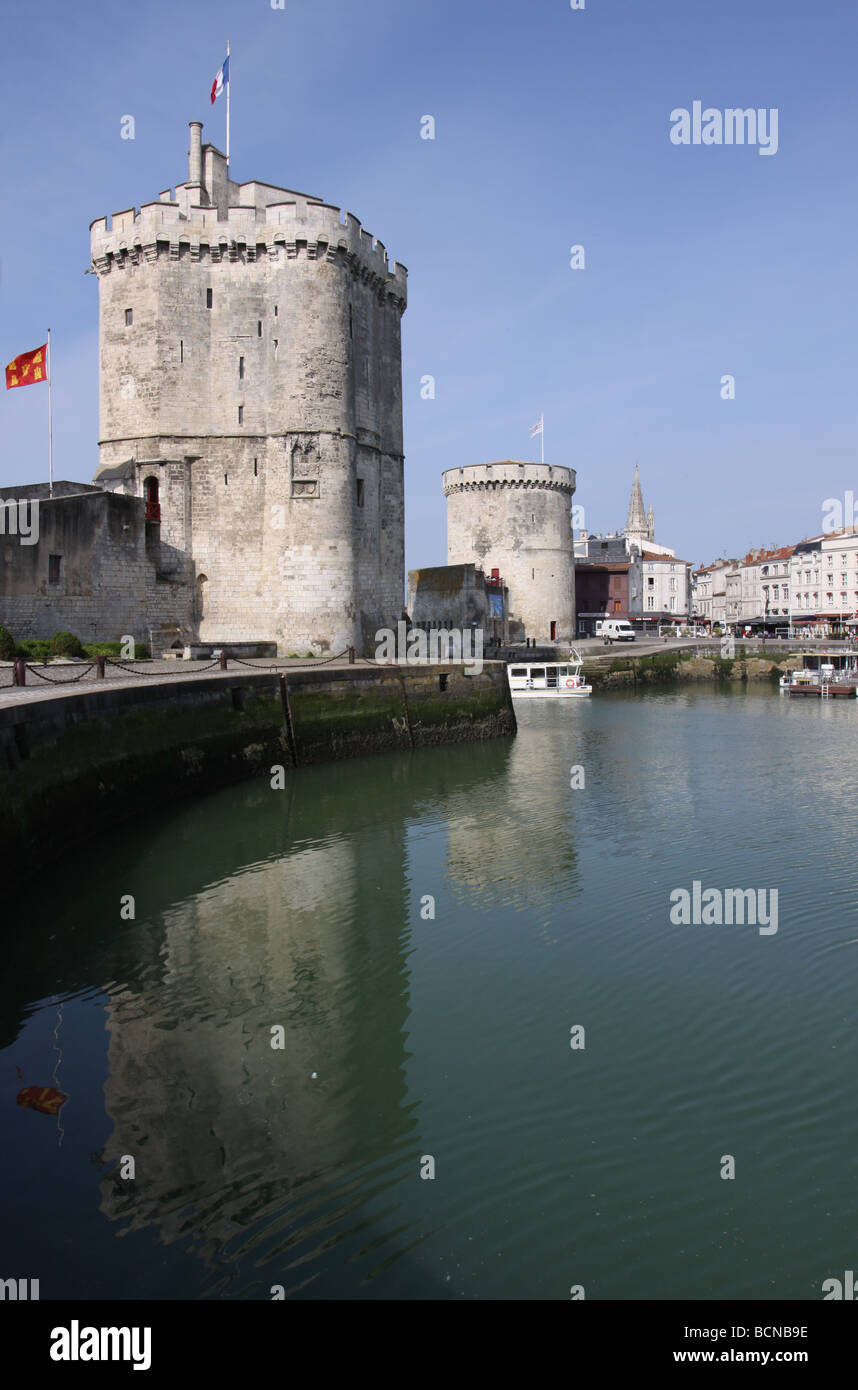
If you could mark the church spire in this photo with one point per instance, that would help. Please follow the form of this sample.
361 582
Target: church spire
636 521
650 523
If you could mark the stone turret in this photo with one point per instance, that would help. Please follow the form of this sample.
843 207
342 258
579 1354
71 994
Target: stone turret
516 517
251 390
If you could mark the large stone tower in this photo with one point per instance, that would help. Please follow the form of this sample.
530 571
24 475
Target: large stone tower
516 517
251 390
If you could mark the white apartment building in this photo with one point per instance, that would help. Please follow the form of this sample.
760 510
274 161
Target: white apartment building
824 583
766 587
709 592
659 585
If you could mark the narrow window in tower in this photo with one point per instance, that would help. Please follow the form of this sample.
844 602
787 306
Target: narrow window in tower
360 492
533 574
255 469
54 562
181 349
259 329
276 346
241 369
129 317
226 480
208 299
241 414
275 310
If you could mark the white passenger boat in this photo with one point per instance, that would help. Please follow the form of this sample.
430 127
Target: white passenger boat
553 679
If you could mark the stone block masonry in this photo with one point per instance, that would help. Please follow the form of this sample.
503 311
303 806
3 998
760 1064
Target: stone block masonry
98 569
251 388
516 517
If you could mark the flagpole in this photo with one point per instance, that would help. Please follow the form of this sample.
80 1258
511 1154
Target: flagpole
50 424
542 439
228 85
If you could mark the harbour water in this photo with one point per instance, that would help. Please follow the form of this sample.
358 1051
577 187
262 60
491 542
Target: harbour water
427 930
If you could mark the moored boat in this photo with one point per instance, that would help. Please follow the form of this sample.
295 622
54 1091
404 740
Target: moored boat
824 675
548 679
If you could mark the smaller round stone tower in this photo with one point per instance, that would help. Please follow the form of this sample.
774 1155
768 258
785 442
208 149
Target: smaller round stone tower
516 517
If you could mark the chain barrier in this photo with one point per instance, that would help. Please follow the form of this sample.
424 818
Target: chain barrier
312 663
158 675
249 664
52 680
135 670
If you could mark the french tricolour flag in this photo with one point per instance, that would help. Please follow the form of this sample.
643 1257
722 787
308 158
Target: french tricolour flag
221 80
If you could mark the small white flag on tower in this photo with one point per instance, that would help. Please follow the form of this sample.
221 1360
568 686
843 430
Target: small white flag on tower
539 427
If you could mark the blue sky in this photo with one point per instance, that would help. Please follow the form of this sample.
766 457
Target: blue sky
552 129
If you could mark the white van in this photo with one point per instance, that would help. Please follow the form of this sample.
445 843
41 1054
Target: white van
616 630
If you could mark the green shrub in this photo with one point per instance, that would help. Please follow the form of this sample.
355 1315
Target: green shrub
7 645
311 656
114 649
66 644
34 650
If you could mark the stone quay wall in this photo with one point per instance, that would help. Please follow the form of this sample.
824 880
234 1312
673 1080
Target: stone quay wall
75 764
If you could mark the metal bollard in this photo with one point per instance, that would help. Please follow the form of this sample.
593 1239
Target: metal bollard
351 656
100 663
223 661
19 676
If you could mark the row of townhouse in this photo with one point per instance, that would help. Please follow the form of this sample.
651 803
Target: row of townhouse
812 585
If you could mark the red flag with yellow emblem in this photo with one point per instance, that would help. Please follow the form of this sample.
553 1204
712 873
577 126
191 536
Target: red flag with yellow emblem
27 369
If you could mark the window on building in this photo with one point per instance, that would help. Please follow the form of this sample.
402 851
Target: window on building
54 563
241 414
129 317
226 480
255 469
360 492
259 329
241 369
650 603
650 582
208 299
275 310
181 349
153 502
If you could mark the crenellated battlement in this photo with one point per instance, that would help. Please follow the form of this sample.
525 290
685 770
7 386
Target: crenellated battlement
510 474
176 230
